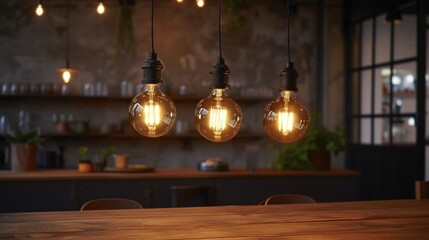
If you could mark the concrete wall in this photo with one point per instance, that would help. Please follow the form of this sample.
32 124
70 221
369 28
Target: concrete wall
32 48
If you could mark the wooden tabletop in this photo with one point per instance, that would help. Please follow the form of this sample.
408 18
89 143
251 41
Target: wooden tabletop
70 174
394 219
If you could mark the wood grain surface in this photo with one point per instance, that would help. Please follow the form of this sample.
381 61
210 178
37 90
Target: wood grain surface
393 219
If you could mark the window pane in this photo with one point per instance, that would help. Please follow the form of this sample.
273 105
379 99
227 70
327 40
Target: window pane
405 37
366 43
379 133
365 131
382 41
404 86
366 92
382 89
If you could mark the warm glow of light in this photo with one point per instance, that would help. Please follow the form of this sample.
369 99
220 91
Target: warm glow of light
152 115
100 8
285 121
66 76
179 1
200 3
39 10
218 116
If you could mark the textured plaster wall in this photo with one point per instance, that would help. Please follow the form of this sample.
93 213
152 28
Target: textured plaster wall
32 48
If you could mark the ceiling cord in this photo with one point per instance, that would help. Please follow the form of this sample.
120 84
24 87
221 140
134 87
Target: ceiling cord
288 30
219 29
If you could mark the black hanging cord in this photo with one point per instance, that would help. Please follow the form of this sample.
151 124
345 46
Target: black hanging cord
219 29
67 35
288 29
153 48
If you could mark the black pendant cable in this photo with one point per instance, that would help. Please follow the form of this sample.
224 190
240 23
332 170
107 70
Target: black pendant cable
285 119
152 113
218 117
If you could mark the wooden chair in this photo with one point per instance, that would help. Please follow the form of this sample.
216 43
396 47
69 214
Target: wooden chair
287 199
189 196
422 189
110 203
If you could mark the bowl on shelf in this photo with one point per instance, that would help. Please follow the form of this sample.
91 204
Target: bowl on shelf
212 165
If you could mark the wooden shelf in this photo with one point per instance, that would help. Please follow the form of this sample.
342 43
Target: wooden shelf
118 98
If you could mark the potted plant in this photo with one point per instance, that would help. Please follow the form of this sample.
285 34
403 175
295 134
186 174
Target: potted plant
85 164
101 156
313 151
24 149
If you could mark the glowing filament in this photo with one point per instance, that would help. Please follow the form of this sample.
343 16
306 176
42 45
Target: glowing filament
285 121
100 8
152 115
39 10
66 76
200 3
218 116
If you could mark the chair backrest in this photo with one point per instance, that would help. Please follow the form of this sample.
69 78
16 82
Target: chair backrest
110 203
189 196
422 189
288 199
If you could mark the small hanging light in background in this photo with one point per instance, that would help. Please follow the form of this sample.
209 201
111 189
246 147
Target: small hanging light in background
66 72
39 9
179 1
101 8
200 3
285 119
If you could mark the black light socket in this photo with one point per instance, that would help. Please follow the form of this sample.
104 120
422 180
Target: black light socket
288 78
152 69
220 73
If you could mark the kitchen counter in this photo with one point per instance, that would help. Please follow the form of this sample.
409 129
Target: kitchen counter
60 190
71 174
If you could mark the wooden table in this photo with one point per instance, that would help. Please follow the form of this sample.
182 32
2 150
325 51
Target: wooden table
394 219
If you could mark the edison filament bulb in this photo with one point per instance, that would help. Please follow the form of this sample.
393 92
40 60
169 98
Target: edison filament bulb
285 119
218 117
152 113
39 10
66 76
100 8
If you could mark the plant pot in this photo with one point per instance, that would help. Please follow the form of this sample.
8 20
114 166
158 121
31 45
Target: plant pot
23 157
320 160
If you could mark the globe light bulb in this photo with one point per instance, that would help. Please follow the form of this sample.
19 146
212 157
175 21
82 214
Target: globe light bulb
66 76
200 3
100 8
39 10
179 1
218 117
152 113
285 119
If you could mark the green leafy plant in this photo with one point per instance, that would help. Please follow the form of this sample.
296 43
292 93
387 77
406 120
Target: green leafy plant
83 152
103 154
19 137
296 155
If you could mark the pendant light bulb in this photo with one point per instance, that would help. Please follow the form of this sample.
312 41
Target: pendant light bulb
152 113
66 76
200 3
39 10
285 119
100 8
218 117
